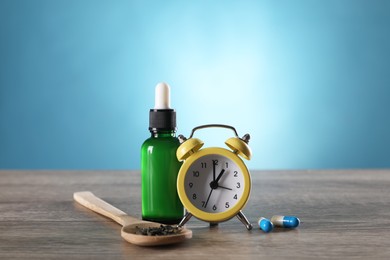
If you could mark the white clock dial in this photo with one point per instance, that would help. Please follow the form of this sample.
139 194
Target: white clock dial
214 183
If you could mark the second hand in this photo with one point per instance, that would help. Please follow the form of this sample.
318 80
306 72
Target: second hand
207 201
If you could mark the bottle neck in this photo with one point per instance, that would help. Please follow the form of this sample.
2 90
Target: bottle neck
162 134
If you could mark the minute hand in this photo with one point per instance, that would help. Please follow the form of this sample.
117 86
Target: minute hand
213 171
220 176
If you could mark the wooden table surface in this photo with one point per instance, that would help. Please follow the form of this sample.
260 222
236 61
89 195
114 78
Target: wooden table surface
344 215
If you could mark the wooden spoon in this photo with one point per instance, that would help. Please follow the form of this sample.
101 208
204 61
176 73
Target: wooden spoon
128 223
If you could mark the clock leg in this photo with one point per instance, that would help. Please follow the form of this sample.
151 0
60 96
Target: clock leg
213 224
186 217
244 220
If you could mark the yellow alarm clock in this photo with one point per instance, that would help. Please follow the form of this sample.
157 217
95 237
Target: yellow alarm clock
213 183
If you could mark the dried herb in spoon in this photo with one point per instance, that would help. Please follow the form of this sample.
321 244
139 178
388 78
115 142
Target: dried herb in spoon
163 230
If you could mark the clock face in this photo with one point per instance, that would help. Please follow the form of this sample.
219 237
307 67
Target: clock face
214 183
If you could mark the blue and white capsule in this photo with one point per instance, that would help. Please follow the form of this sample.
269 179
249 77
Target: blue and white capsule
265 225
285 221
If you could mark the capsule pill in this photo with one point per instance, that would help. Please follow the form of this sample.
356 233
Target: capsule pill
265 225
285 221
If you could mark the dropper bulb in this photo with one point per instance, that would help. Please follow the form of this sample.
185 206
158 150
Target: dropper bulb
162 96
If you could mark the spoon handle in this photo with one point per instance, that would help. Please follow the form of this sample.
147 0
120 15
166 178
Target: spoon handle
90 201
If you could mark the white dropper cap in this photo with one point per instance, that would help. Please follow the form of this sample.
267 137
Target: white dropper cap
162 96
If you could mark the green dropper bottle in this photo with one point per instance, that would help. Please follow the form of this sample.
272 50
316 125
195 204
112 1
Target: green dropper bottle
159 165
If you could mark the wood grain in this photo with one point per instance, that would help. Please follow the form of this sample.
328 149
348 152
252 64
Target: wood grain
344 215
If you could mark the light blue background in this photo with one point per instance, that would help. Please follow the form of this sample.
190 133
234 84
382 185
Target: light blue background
309 80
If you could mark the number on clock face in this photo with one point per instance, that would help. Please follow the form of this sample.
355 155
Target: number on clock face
214 183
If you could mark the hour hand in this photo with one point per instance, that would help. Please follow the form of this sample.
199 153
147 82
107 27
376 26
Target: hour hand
220 175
